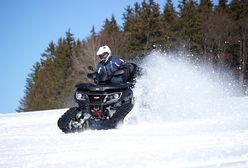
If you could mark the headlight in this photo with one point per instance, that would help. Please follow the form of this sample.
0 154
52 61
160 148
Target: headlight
81 96
112 97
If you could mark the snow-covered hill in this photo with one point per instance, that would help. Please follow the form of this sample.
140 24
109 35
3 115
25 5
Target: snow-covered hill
33 140
183 118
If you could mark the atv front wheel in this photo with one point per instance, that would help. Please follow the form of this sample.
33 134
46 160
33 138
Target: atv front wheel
73 121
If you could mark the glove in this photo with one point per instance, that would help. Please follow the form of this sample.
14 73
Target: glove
91 75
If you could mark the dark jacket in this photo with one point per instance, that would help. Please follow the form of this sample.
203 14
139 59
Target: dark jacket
109 66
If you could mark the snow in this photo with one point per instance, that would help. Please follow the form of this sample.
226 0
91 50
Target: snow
179 128
33 140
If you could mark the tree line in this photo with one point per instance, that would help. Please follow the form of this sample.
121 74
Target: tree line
217 34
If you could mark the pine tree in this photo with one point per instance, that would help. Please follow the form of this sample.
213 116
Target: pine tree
206 8
168 26
235 9
133 30
239 12
150 16
190 25
221 35
26 101
48 86
222 5
110 26
141 27
205 14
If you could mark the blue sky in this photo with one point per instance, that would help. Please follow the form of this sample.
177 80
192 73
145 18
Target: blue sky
27 27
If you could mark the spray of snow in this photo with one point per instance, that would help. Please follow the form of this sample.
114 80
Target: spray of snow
173 88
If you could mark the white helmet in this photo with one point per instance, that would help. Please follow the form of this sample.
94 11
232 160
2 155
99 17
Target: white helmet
103 49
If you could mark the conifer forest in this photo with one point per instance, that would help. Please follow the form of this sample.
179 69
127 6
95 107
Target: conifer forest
213 33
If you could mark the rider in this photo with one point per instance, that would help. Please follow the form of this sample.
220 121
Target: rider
109 64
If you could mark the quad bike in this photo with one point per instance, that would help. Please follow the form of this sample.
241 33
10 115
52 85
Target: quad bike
101 105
